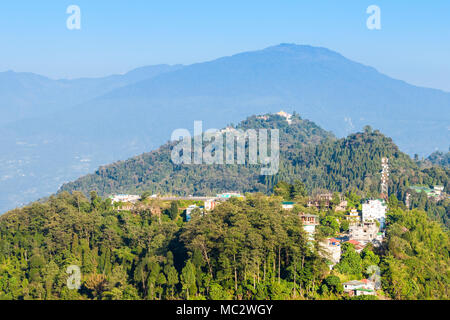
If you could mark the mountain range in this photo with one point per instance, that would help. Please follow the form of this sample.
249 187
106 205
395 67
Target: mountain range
59 129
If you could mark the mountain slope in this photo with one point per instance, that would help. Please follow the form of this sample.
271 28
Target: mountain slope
307 153
338 94
155 170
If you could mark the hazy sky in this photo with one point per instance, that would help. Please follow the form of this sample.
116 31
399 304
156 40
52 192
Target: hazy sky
116 36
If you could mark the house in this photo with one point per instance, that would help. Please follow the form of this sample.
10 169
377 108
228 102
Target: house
285 115
363 232
438 190
287 205
310 222
375 210
125 198
324 200
358 245
332 250
359 287
377 242
189 211
209 204
320 200
228 195
342 206
436 193
353 216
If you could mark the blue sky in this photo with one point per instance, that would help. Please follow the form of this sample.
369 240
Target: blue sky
116 36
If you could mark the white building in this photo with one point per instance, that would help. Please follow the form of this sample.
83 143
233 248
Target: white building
364 232
332 250
190 209
438 190
125 198
353 216
375 210
359 287
310 222
210 204
228 195
287 205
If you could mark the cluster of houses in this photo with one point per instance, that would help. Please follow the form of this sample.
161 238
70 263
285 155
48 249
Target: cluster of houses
210 204
365 227
435 193
324 200
125 198
129 202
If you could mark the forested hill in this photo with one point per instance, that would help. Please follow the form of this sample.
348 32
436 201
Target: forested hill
245 249
155 172
307 153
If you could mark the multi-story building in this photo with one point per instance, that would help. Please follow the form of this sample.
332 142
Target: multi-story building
324 200
332 250
310 222
363 232
375 210
353 216
210 204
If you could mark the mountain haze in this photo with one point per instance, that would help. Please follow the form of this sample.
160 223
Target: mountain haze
24 95
336 93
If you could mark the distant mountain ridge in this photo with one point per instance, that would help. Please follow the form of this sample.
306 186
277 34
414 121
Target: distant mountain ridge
24 94
336 93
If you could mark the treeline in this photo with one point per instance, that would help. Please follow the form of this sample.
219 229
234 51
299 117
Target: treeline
416 262
245 249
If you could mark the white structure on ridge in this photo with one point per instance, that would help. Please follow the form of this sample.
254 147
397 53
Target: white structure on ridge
125 198
285 115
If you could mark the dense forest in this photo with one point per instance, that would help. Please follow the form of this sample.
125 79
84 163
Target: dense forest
307 153
245 249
